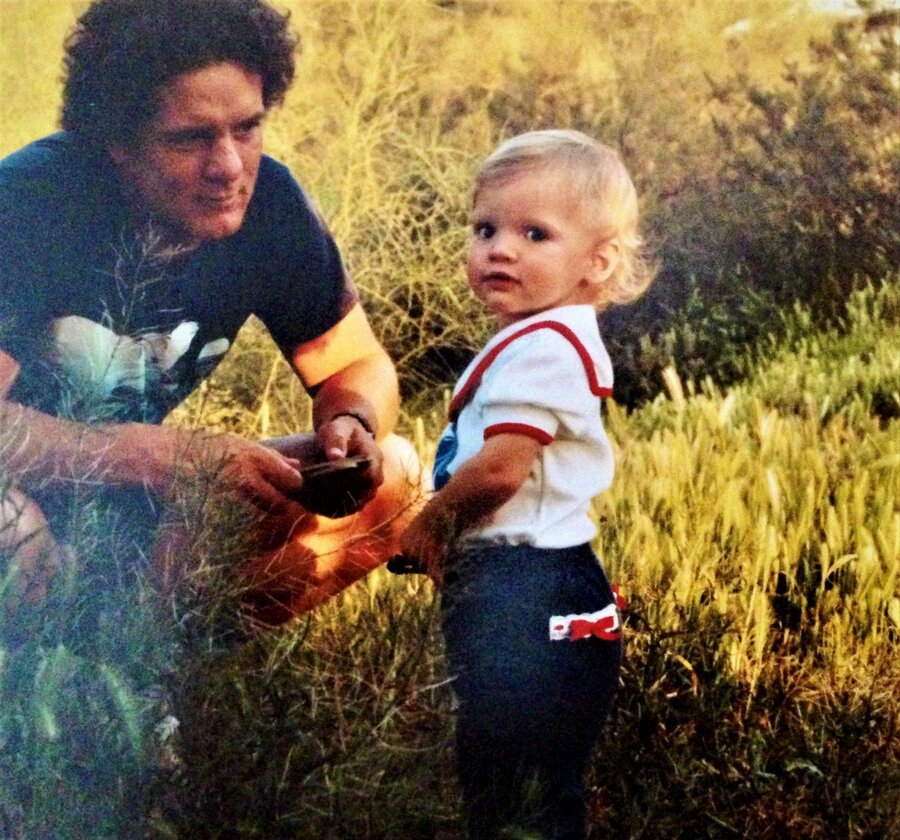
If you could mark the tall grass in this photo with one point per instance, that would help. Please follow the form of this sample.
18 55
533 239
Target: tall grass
755 531
794 485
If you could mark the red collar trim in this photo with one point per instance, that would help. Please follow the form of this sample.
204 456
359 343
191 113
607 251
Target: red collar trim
467 391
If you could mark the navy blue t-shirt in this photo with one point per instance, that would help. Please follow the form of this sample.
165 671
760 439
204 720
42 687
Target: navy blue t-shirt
108 325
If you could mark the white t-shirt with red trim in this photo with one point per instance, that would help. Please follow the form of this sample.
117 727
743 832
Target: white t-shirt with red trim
545 377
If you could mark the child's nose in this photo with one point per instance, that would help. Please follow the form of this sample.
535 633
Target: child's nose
501 246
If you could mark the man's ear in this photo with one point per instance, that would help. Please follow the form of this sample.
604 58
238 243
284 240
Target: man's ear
605 260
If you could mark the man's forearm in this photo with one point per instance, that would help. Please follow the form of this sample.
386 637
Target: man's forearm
367 388
37 448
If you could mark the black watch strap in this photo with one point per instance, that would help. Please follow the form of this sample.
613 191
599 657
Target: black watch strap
358 418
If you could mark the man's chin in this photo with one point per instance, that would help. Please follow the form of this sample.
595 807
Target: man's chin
219 227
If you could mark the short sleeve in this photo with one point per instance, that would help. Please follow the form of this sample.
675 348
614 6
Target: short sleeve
299 283
31 240
542 383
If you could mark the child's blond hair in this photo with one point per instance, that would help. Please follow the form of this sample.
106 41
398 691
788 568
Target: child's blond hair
602 184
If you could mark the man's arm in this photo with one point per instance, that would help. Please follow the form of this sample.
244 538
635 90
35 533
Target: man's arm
356 398
349 372
39 449
355 395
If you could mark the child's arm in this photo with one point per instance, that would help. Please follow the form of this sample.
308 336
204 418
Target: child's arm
478 488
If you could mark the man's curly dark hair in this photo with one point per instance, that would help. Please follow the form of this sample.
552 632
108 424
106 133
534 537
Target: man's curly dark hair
122 52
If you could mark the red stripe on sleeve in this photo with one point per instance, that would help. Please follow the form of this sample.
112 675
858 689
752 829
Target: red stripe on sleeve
519 429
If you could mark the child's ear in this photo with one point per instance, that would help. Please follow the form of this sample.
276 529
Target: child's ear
605 260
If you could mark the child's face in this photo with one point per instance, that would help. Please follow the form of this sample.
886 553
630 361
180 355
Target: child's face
532 246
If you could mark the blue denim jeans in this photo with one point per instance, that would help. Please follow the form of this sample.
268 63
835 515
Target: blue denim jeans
530 708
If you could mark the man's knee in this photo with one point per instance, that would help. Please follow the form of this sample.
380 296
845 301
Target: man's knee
21 519
405 482
28 546
403 461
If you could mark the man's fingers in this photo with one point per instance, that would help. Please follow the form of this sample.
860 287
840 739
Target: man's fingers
345 435
259 474
285 471
334 437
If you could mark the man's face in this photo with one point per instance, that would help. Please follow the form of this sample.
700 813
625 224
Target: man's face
194 165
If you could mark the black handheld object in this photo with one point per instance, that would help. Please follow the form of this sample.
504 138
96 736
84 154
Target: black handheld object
400 564
335 488
340 465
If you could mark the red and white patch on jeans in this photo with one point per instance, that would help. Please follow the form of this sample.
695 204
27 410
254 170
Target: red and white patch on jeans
603 624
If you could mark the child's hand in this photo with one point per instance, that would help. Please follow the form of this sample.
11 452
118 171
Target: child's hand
427 539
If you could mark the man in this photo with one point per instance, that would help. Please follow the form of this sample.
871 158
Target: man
133 246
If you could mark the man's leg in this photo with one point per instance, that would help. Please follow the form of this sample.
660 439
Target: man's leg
324 556
30 548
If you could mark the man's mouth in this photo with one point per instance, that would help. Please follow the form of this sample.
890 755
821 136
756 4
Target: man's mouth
222 203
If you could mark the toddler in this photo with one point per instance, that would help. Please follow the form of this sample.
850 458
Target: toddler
530 621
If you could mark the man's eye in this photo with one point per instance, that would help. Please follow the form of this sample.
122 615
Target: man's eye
535 234
247 129
187 140
483 230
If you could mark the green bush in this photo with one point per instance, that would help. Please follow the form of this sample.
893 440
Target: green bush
797 203
808 196
80 692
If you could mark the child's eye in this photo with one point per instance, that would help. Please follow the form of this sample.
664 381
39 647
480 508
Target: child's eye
483 230
536 234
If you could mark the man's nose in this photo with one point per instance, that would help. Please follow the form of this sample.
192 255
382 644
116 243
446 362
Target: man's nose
224 162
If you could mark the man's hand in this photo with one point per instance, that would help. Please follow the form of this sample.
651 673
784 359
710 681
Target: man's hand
33 552
337 493
255 474
258 479
345 437
355 401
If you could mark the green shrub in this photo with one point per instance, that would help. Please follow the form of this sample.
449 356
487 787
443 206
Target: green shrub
798 203
808 196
